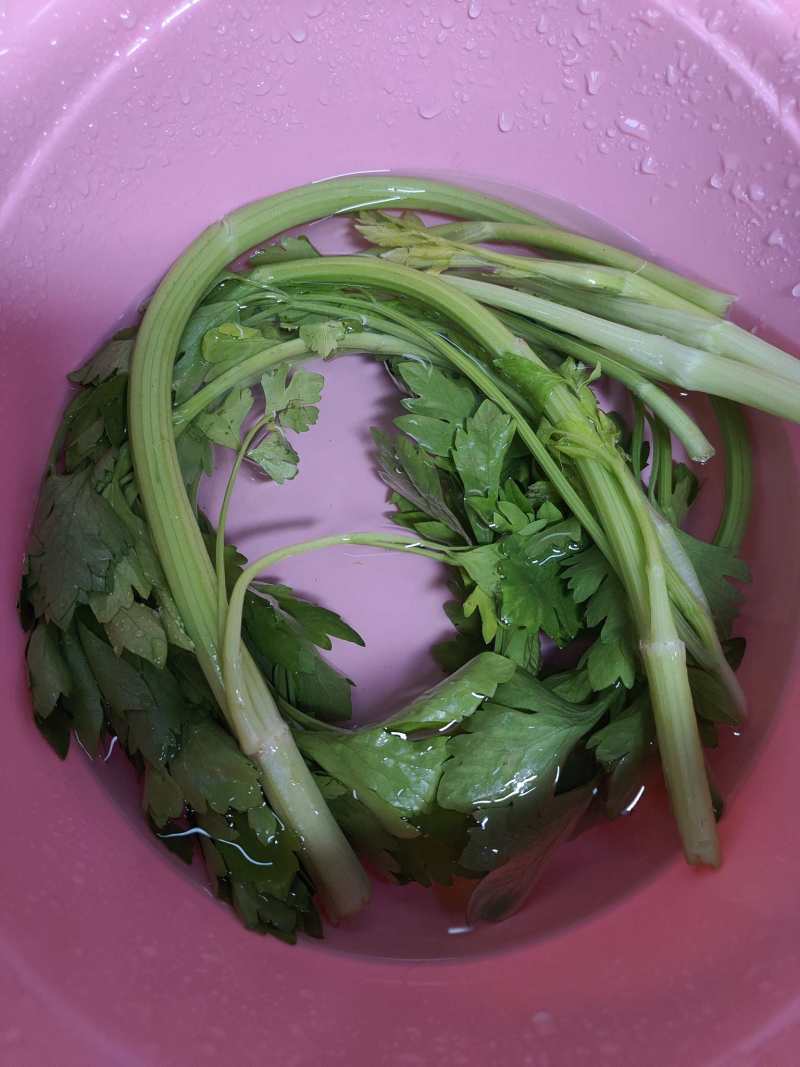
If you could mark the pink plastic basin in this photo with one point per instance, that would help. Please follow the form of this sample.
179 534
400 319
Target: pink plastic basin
124 129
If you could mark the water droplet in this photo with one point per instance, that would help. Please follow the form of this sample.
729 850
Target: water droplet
505 122
756 192
429 109
184 94
616 49
590 124
796 290
469 44
793 180
581 36
775 239
542 24
298 34
716 181
262 88
314 8
206 77
594 80
128 18
474 8
730 162
586 7
695 96
633 127
647 165
324 97
714 21
734 91
447 20
602 147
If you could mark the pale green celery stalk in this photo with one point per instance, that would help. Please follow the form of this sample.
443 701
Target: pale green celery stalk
254 719
738 474
255 365
688 328
578 247
680 423
628 538
441 254
656 357
664 656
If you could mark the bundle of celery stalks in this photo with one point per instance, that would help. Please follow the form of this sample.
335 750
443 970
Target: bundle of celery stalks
559 523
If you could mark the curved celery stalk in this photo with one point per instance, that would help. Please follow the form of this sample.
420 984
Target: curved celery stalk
254 720
577 247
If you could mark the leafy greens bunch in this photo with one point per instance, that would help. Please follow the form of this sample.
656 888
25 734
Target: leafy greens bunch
147 626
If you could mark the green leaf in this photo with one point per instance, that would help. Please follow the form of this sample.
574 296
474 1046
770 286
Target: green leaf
162 798
394 777
84 703
190 367
224 425
628 733
527 838
145 703
286 250
276 457
302 388
409 471
434 435
318 624
138 629
292 662
231 343
128 576
715 566
48 673
438 395
455 698
712 700
480 450
112 358
213 773
612 657
196 458
533 595
323 338
75 545
509 753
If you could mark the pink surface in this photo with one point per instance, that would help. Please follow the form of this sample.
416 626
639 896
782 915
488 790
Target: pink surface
124 130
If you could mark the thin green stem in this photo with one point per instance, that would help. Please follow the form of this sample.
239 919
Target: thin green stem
578 247
738 474
255 365
219 544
